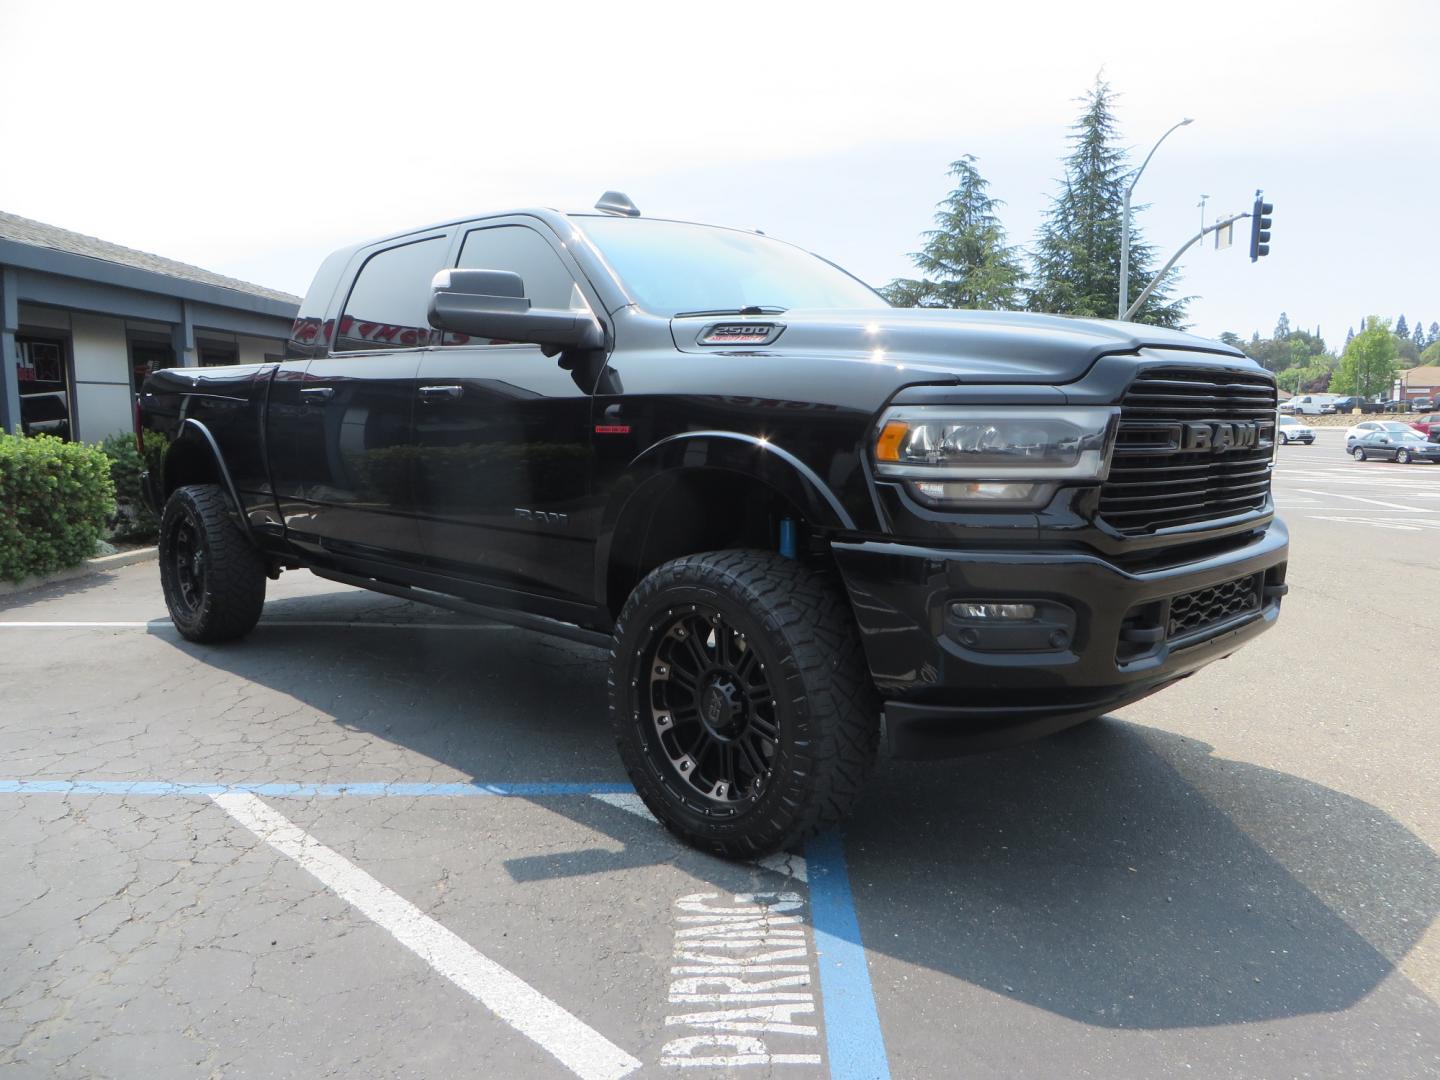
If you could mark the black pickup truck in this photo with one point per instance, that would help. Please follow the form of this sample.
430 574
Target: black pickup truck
783 506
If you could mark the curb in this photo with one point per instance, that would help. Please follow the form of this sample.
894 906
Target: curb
90 566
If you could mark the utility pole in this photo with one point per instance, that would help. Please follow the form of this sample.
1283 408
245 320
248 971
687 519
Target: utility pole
1125 228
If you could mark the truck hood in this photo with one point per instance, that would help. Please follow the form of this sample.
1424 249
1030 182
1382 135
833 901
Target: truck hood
961 346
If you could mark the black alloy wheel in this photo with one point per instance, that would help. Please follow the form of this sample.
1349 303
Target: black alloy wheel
712 708
741 701
212 575
187 555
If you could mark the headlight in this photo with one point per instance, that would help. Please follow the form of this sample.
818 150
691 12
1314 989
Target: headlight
998 456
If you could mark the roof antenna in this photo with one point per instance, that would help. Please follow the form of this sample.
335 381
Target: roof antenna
617 202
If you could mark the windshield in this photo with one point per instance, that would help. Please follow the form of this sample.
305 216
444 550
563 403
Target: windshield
672 267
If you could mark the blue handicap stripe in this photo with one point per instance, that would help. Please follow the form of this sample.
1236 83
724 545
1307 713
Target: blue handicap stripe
852 1025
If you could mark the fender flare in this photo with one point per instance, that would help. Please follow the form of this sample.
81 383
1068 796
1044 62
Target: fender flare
204 436
727 451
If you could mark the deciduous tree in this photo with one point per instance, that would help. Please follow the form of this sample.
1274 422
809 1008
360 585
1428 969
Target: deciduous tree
1369 363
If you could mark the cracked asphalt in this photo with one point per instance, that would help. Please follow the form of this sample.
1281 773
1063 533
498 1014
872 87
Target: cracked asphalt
1238 877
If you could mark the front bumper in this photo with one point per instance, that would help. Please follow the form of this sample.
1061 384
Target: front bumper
1107 635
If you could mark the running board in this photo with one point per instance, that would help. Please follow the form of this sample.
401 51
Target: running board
522 619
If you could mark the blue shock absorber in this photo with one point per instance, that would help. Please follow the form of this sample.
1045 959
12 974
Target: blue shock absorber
787 537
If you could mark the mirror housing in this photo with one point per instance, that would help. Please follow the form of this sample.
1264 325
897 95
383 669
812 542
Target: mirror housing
492 304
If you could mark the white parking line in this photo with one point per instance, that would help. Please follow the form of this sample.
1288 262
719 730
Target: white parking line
1357 498
580 1048
1398 524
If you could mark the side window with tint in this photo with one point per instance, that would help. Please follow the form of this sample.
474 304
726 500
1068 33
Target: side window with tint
523 251
387 305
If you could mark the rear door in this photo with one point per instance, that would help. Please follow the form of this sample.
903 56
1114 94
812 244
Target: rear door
503 433
354 433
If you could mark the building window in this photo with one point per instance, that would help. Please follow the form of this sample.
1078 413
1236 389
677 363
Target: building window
217 353
44 384
148 355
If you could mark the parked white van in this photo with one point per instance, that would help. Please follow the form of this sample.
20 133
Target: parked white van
1311 404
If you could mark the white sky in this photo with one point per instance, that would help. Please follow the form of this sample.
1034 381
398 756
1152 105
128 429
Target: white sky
253 138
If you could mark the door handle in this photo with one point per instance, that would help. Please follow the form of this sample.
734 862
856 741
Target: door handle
317 393
440 393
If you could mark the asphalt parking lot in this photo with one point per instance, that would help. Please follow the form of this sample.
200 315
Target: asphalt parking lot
377 840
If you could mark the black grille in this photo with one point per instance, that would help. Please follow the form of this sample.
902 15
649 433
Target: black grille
1194 611
1194 445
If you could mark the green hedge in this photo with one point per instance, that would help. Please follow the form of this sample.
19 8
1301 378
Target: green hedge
132 521
55 498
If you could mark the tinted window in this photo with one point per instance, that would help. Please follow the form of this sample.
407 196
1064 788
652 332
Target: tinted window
388 303
522 251
310 334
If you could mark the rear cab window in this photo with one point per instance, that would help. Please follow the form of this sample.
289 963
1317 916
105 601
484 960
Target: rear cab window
388 303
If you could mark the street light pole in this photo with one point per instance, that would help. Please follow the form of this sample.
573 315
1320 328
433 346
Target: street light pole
1125 233
1130 312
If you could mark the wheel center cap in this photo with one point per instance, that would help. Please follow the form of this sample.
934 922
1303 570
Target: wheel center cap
720 708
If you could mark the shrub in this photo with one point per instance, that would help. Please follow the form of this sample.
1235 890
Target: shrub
132 521
54 500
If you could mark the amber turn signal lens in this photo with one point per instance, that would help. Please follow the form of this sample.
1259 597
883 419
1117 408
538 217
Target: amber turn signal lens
887 447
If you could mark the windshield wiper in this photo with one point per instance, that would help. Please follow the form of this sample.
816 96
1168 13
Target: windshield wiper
753 309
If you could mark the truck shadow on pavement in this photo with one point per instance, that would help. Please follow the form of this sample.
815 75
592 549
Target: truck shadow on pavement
1117 875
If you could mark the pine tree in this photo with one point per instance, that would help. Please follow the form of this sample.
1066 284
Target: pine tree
1076 263
1434 334
967 262
1349 336
1282 327
1418 335
1401 330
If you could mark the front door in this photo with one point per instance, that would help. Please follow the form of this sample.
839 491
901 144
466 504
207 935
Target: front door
350 414
503 435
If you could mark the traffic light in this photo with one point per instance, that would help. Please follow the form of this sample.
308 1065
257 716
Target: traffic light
1260 228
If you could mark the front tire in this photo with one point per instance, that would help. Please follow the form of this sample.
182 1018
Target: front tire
1284 439
213 577
741 702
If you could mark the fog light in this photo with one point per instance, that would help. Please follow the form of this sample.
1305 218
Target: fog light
993 611
980 491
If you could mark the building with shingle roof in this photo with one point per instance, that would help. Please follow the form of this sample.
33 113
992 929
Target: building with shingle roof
83 320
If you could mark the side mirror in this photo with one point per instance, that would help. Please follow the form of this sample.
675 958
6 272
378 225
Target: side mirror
492 304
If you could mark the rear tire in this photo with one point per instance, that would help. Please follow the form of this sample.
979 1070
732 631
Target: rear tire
741 701
1359 454
213 577
1402 457
1284 439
